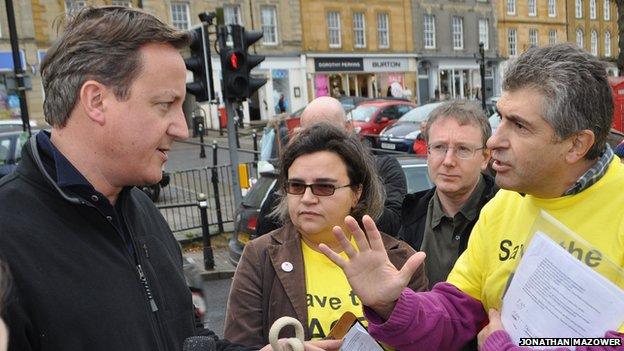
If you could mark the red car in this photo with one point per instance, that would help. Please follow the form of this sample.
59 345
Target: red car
371 117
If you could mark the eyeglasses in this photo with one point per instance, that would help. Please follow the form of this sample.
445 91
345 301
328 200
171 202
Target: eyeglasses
318 189
461 151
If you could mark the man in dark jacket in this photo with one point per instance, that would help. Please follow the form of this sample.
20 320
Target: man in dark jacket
329 110
438 221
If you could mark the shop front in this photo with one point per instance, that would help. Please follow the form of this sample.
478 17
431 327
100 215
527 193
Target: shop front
447 79
366 76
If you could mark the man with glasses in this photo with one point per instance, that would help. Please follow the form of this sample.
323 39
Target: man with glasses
438 221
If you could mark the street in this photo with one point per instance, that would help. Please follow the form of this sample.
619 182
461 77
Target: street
216 293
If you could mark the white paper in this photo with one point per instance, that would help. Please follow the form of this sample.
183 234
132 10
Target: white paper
553 295
358 339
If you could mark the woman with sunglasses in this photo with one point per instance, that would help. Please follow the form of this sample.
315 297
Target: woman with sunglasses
325 175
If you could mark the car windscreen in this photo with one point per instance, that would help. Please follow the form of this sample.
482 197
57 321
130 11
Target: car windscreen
258 192
363 113
419 114
417 178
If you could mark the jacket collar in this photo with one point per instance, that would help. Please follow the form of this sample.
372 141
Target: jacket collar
33 158
288 250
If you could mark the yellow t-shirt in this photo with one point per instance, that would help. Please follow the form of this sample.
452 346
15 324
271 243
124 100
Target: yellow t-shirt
499 238
328 293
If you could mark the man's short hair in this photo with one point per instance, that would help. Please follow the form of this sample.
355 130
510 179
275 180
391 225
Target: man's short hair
465 113
100 43
575 89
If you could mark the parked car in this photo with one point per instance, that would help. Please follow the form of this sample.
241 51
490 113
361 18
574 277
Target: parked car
401 135
415 169
14 125
11 150
371 117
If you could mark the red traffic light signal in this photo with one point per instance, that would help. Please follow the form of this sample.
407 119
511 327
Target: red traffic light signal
236 60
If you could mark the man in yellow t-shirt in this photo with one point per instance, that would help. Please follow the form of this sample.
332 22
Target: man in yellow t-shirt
550 153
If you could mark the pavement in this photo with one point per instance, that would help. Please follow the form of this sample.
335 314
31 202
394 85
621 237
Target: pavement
223 269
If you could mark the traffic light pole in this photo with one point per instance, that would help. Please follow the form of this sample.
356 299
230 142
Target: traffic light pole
231 110
17 67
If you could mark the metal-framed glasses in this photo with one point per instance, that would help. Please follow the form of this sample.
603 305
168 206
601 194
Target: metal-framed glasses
463 152
318 189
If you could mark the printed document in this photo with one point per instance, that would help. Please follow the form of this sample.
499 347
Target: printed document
554 295
358 339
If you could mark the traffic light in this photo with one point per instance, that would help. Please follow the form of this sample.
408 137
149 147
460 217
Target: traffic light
237 63
199 65
252 60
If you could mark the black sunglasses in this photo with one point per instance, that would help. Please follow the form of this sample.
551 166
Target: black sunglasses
318 189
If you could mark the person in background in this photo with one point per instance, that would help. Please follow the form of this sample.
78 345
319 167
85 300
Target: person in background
281 104
325 174
420 144
438 221
329 110
550 153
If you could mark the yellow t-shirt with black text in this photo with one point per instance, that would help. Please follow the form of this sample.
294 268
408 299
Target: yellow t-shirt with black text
501 234
328 293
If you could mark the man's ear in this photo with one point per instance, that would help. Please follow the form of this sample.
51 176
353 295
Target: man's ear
92 95
581 142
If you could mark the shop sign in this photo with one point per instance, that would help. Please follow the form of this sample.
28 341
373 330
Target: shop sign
338 64
279 73
386 64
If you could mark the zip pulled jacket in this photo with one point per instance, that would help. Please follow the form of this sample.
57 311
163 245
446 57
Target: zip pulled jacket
76 284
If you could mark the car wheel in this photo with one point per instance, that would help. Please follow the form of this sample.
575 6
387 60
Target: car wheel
152 191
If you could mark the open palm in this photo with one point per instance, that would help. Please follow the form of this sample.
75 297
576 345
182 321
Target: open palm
370 273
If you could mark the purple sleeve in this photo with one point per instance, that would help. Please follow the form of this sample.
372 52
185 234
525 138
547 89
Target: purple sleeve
501 341
444 318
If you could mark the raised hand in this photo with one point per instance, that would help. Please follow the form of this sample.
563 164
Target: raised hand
372 276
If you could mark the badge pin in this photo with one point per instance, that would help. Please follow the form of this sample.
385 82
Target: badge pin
287 267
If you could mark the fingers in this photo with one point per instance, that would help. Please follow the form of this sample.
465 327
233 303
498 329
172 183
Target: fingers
358 233
373 234
325 344
344 242
495 319
334 257
412 264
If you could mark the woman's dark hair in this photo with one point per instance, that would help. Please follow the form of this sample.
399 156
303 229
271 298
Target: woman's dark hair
359 162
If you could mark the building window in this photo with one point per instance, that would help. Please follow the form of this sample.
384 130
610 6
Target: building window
607 44
333 28
511 7
458 33
382 30
484 35
533 37
359 30
552 37
429 34
592 9
579 38
552 8
532 7
606 9
232 15
512 41
124 3
578 8
593 42
269 25
72 6
180 17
